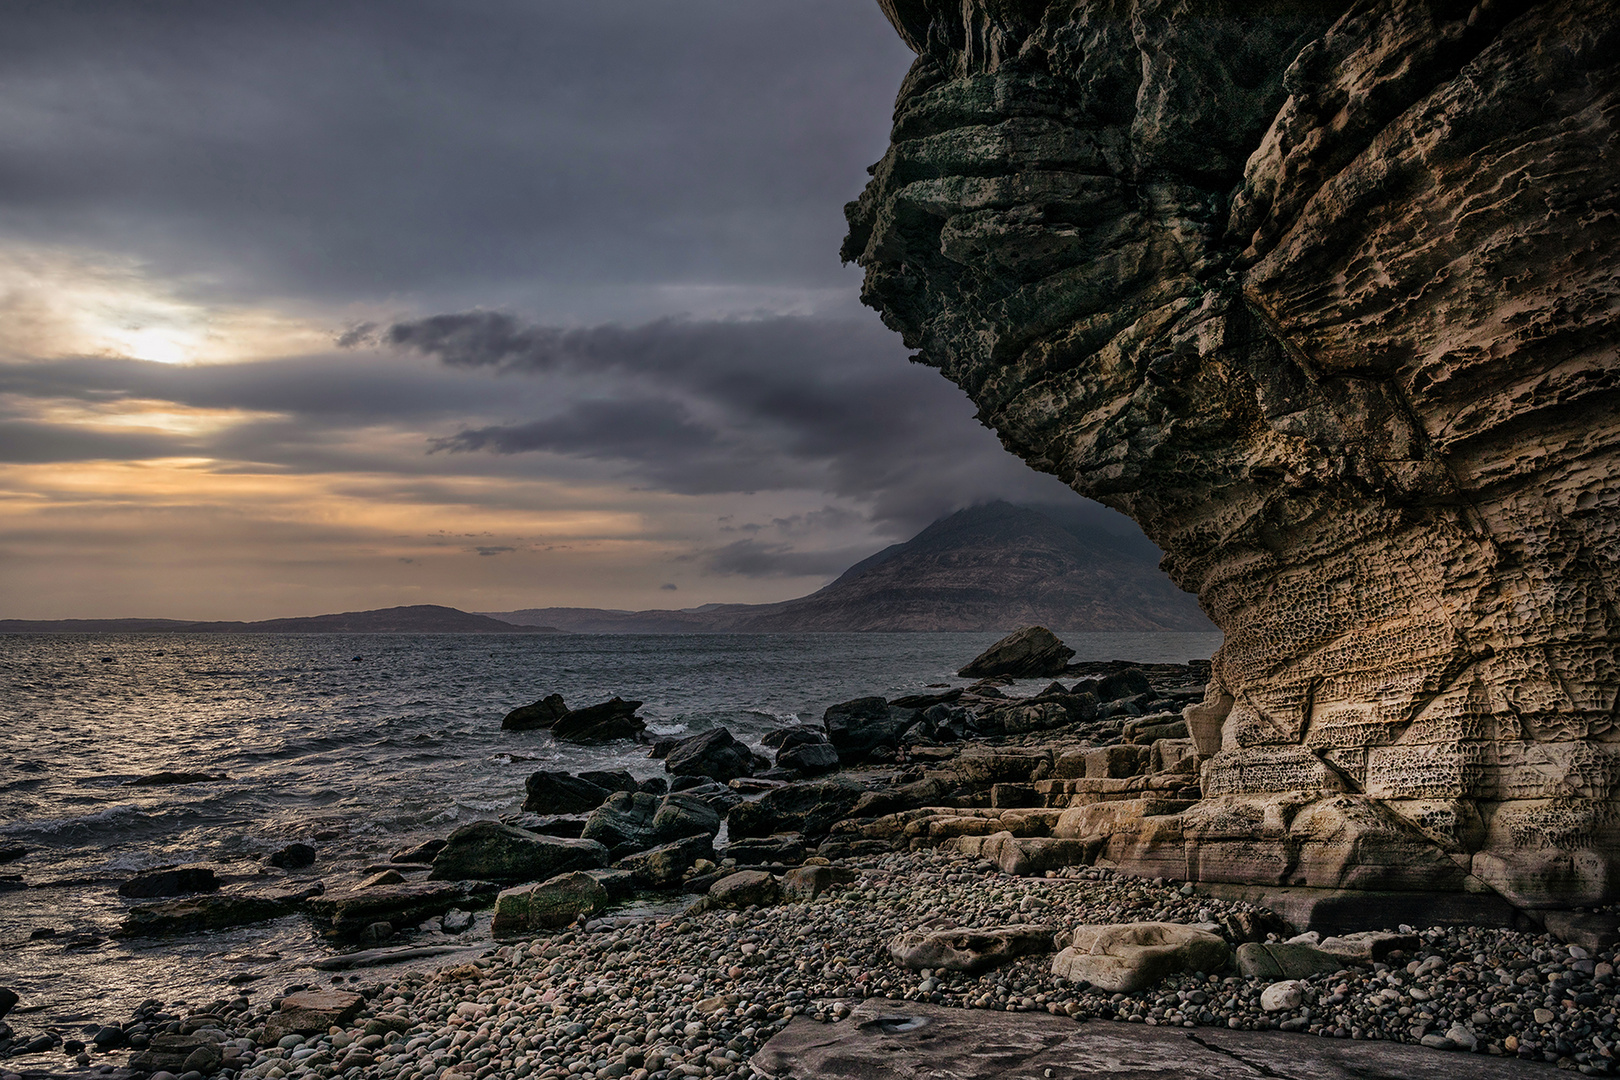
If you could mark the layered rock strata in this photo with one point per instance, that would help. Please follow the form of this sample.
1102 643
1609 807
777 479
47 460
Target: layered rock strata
1325 299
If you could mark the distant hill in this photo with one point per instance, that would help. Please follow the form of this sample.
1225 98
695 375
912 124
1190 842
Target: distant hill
988 568
415 619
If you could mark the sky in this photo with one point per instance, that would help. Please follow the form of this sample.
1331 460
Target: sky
325 306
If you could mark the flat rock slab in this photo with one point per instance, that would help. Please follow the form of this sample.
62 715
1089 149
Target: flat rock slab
903 1040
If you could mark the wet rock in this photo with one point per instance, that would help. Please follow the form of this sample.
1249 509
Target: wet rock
1125 957
857 728
456 921
663 867
715 754
1029 653
384 877
808 759
634 821
401 905
293 857
810 808
615 719
421 853
745 887
547 905
214 911
613 780
798 735
169 881
491 851
1123 684
971 951
541 714
562 793
787 849
8 1000
11 852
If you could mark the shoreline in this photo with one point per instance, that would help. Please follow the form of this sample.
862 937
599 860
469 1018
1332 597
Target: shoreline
697 994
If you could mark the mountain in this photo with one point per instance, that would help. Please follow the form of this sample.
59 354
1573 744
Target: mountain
988 568
415 619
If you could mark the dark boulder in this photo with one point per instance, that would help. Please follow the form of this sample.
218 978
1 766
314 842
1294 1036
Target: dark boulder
634 821
12 852
421 853
716 754
1031 653
610 720
786 848
782 738
808 759
542 714
1123 684
293 857
562 793
213 911
617 780
169 881
663 867
491 851
856 728
811 808
402 904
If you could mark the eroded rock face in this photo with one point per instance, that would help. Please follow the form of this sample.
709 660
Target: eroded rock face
1326 300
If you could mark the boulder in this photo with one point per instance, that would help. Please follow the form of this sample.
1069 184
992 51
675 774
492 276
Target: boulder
8 1000
682 814
1262 960
982 768
633 821
169 881
562 793
1285 996
798 735
810 808
808 759
612 780
1123 684
622 824
1122 958
744 888
214 911
663 867
787 848
309 1012
421 853
401 904
293 857
856 728
548 905
1368 946
491 851
1030 653
715 754
542 714
615 719
1034 855
803 884
971 951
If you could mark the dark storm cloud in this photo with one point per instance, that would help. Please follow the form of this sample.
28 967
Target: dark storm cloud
448 148
740 405
751 558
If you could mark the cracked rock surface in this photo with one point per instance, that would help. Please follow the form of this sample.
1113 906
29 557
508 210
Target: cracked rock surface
1325 298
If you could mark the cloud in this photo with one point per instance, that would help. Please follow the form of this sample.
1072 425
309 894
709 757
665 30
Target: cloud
750 558
427 147
704 406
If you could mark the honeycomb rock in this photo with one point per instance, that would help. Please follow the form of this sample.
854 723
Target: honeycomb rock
1325 298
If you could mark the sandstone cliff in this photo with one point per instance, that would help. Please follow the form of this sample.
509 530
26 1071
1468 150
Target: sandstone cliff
1325 298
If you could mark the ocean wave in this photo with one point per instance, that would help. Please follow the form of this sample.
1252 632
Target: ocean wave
119 814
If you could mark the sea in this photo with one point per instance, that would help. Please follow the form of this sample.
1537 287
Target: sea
373 743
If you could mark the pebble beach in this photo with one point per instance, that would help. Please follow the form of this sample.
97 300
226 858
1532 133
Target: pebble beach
697 993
